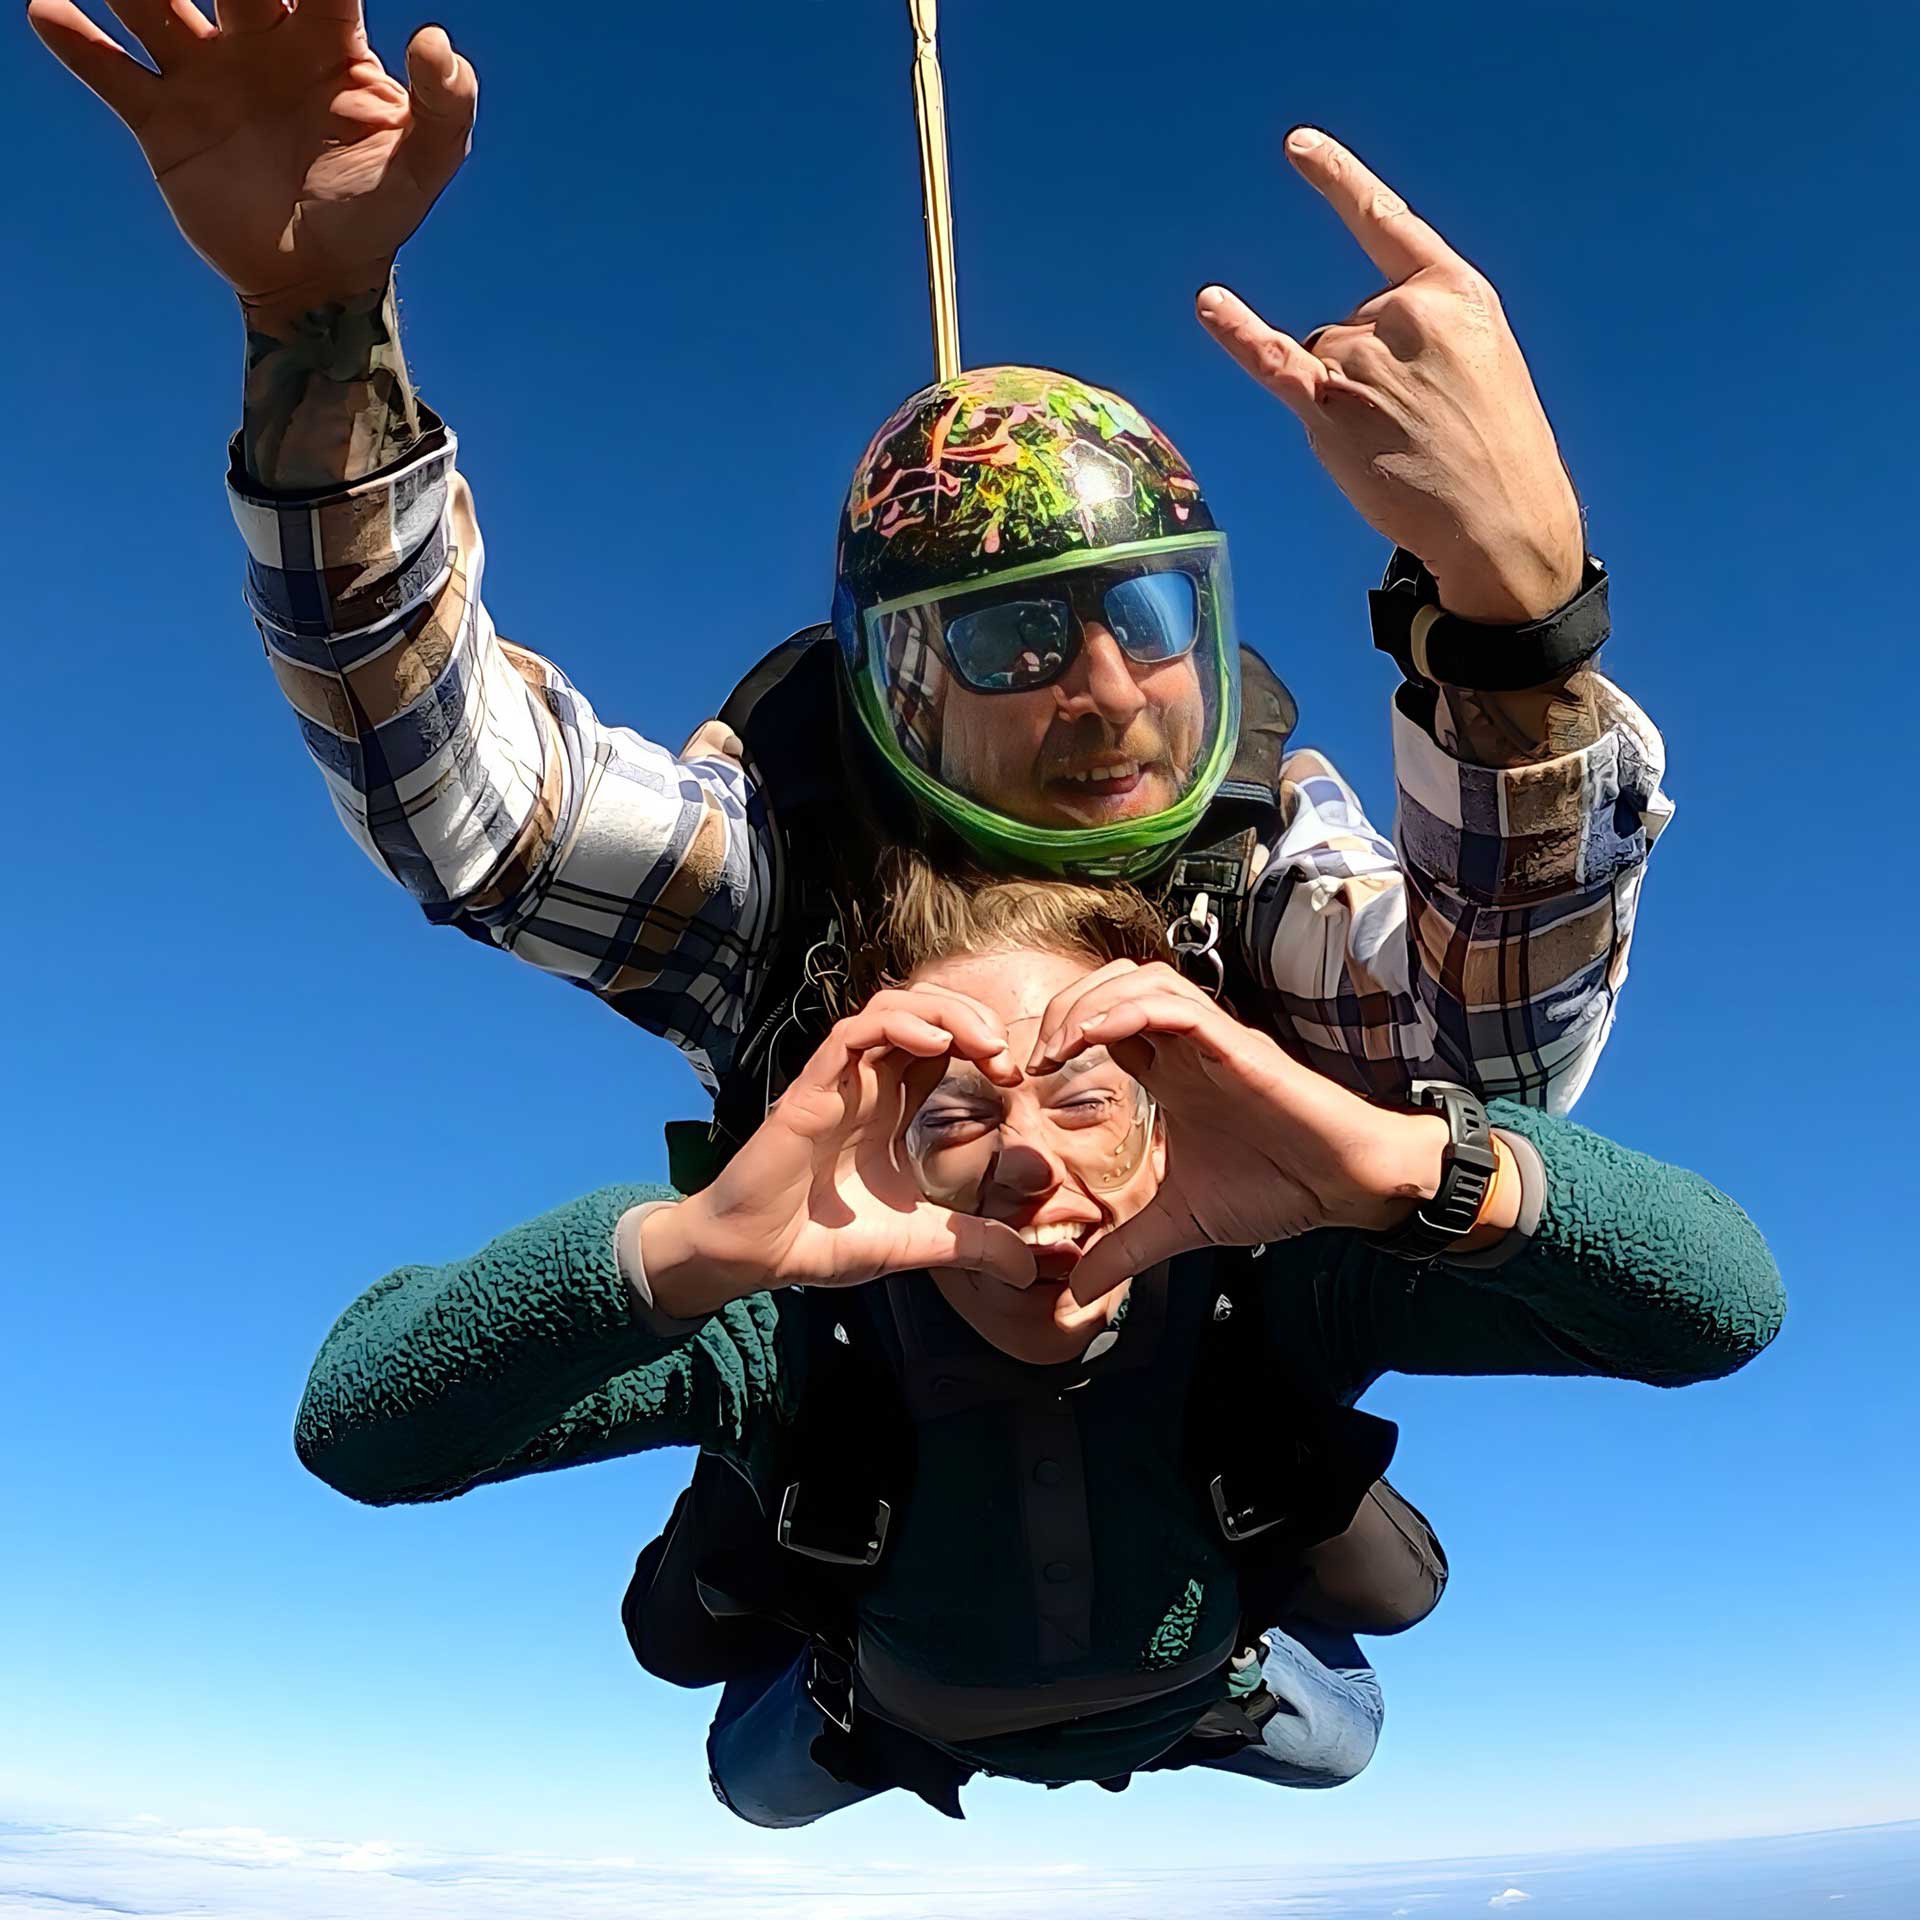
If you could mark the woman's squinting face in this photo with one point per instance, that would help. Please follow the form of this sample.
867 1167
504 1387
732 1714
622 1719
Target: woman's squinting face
1050 1157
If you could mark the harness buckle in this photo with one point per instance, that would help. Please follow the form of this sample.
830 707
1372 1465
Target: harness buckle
859 1545
1242 1519
829 1685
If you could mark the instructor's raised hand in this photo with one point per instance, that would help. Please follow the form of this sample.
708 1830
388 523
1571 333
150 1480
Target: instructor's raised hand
295 165
1420 406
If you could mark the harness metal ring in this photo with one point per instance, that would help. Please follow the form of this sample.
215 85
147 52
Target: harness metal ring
1195 935
1205 923
1217 985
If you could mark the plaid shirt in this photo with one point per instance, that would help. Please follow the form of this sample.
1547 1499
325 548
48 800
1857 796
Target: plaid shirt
1490 947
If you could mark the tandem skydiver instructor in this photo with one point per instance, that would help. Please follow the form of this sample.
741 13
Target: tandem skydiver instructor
1031 656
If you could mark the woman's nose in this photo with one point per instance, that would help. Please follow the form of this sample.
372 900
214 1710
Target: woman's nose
1025 1169
1101 679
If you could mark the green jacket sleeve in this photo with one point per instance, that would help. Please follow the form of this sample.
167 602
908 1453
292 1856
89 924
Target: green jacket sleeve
529 1355
1637 1271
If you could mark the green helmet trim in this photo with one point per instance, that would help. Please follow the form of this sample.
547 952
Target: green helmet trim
1123 851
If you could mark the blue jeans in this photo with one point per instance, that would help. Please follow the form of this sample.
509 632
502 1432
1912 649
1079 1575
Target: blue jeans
759 1746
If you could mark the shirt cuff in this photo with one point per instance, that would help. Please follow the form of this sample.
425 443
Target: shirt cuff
351 558
1533 1199
1510 836
633 1270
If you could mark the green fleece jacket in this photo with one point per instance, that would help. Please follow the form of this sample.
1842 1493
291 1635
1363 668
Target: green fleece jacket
534 1354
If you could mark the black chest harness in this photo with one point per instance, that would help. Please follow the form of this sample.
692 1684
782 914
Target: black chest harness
741 1584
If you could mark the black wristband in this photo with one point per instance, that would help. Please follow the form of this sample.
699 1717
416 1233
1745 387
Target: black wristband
1434 646
1467 1167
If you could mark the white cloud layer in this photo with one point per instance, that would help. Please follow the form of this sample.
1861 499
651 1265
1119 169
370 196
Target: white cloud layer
144 1869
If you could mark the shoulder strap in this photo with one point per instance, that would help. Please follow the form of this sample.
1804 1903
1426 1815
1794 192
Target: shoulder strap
1268 715
787 714
1278 1472
852 1445
849 1472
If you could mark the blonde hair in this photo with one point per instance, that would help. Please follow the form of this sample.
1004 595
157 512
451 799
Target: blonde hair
926 915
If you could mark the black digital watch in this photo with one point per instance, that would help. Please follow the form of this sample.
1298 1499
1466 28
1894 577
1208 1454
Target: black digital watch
1467 1167
1432 646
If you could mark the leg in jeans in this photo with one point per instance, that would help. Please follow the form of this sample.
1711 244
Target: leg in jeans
760 1761
1330 1710
759 1754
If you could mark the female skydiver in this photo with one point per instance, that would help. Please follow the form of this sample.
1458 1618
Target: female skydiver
993 1483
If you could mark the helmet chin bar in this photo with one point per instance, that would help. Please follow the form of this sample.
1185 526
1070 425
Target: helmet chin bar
1126 852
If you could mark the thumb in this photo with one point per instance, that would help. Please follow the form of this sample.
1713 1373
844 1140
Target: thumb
1278 361
1154 1234
989 1247
444 92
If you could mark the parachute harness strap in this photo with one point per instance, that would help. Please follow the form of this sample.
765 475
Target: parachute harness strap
1194 937
824 964
1207 891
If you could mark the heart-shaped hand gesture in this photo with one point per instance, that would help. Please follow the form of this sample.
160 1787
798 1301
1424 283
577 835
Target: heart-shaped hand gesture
824 1194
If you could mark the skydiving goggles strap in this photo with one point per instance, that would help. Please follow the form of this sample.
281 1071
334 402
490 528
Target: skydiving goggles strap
1437 647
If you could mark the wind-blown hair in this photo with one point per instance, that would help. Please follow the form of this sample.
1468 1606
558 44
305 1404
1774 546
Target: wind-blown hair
925 915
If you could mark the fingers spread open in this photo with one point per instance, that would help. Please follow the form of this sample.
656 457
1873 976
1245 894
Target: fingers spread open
1394 238
166 28
1275 359
95 59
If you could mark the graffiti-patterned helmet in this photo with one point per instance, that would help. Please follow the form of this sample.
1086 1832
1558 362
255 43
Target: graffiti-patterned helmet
1013 531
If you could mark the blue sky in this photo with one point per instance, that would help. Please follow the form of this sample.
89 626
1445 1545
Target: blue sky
676 288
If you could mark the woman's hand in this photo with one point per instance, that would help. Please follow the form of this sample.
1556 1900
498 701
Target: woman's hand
1259 1147
293 163
823 1195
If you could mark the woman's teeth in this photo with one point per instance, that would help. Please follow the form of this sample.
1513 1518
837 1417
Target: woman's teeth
1056 1233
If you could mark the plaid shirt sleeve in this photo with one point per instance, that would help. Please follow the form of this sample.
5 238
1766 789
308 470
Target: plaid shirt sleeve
472 773
1491 946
